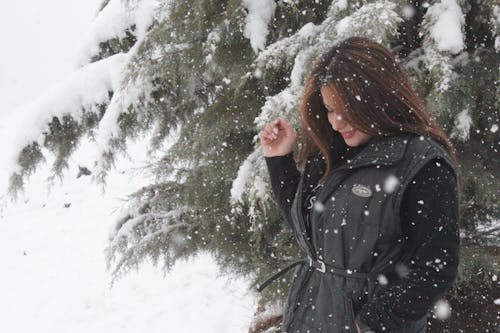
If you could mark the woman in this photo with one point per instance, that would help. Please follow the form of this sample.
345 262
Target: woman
375 209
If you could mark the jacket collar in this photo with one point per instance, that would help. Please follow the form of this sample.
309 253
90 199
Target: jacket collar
383 150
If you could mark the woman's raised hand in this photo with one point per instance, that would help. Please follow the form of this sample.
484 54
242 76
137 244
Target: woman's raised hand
277 138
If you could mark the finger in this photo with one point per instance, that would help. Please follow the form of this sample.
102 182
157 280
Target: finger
272 131
277 122
263 135
268 129
281 123
277 125
266 137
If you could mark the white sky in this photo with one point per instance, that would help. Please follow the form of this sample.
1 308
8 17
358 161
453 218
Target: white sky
40 41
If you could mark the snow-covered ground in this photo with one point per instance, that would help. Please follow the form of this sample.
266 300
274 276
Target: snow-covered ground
53 276
53 270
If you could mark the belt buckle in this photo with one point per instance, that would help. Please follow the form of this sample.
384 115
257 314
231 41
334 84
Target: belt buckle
321 268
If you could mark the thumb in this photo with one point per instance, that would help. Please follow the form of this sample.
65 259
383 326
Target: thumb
282 124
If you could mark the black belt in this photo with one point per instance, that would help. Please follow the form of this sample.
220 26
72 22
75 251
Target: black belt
321 266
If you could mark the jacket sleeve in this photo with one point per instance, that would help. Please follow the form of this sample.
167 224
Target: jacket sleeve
284 181
429 217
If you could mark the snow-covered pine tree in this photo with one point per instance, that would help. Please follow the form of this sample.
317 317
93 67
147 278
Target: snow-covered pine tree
200 78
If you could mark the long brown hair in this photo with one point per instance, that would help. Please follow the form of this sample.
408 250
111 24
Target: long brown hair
378 98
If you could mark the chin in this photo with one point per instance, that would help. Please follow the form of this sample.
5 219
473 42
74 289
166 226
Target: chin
352 144
357 139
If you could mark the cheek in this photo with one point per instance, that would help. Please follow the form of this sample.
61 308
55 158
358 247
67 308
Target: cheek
330 118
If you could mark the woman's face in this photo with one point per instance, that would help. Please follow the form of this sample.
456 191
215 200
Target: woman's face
335 109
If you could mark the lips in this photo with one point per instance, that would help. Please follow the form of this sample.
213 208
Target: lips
348 134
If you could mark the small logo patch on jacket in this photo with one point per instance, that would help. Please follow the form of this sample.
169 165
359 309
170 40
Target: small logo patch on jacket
361 190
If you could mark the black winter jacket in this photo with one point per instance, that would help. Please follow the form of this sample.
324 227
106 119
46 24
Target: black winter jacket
382 245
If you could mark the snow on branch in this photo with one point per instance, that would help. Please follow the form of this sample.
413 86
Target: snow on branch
377 21
103 89
343 20
463 123
82 92
255 192
114 21
260 13
286 48
130 229
148 234
443 24
446 27
495 25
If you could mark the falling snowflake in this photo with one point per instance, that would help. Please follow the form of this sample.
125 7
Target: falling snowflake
318 206
442 309
408 11
402 270
382 279
257 73
390 184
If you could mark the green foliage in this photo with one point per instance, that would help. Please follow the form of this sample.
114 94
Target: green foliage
473 92
61 138
104 3
115 45
478 264
29 157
